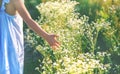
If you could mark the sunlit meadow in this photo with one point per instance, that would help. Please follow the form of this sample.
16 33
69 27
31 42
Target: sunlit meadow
78 37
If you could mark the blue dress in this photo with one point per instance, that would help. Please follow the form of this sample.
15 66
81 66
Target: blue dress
11 42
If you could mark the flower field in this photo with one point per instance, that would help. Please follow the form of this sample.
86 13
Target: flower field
89 33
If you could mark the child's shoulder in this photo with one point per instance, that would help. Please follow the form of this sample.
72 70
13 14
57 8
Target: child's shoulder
10 9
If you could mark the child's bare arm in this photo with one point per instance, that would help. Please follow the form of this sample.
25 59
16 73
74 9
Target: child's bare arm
51 38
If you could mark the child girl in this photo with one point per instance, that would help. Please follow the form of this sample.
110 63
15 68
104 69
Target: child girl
12 14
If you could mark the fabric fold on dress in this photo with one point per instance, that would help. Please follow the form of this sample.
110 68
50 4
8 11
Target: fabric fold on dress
11 42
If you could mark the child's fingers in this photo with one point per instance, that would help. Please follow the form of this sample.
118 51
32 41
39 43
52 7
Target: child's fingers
55 36
55 46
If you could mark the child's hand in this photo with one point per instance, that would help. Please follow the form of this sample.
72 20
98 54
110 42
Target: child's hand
51 39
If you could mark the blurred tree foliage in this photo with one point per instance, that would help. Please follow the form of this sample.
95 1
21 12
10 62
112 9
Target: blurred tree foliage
31 55
31 6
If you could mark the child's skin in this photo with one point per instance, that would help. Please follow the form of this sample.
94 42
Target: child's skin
15 7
